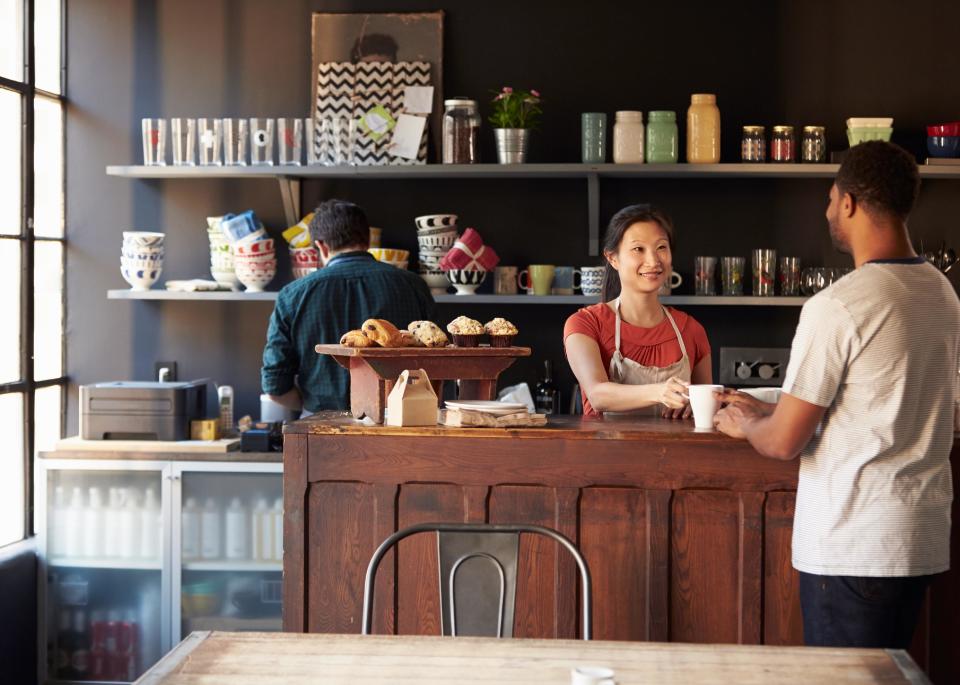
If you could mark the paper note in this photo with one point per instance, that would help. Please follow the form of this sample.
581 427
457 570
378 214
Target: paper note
377 122
418 99
407 136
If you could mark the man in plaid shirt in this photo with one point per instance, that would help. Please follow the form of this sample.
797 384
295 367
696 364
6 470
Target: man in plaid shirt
351 287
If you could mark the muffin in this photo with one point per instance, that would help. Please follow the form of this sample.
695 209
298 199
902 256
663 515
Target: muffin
501 332
465 331
428 333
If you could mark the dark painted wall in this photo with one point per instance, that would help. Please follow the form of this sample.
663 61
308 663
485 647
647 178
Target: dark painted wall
18 607
770 63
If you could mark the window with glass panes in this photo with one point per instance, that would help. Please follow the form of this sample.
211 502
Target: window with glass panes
32 377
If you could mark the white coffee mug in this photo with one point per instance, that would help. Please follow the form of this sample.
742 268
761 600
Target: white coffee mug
591 280
704 404
673 281
591 675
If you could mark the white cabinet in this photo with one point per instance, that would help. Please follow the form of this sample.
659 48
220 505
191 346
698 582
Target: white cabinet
131 567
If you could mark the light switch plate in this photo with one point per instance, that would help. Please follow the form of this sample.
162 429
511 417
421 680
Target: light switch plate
762 366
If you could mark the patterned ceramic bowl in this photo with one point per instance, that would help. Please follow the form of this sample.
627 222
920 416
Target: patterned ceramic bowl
466 282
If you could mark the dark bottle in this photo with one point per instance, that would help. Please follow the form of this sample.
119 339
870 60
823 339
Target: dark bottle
547 397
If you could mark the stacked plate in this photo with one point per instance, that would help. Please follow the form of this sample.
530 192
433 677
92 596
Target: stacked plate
255 262
221 257
436 234
487 406
304 261
862 129
141 258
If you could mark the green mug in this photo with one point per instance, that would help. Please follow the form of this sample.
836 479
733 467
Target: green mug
539 279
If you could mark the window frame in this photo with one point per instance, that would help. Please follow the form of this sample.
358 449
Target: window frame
28 385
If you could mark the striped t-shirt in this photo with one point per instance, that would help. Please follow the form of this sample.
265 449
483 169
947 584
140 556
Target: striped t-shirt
880 349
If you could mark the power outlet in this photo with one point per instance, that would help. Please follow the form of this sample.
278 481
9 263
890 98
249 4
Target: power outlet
171 368
753 365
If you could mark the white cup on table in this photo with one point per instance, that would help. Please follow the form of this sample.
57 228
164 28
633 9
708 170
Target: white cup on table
591 675
704 404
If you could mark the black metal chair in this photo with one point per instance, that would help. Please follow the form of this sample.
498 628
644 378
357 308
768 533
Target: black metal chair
479 563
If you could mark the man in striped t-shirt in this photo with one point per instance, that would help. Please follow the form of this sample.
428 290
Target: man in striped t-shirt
868 405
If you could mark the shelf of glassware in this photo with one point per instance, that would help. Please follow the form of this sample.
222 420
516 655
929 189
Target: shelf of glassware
106 563
582 300
573 170
233 566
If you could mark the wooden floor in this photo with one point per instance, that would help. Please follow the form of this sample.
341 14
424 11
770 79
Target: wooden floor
264 658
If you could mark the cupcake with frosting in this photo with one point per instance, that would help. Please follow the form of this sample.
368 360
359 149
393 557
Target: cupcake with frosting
465 331
501 332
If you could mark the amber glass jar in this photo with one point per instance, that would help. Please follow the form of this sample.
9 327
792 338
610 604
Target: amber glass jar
703 129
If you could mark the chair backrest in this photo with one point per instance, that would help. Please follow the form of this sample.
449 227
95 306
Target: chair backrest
478 575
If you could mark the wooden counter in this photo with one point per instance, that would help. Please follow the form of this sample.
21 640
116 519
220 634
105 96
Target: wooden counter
687 534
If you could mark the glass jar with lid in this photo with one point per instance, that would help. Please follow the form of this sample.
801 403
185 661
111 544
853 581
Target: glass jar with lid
662 137
628 138
814 144
461 131
783 145
703 129
753 145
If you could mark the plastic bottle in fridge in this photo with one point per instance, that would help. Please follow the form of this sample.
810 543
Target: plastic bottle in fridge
261 548
211 540
111 528
129 525
277 517
190 525
73 530
57 529
93 523
237 530
150 526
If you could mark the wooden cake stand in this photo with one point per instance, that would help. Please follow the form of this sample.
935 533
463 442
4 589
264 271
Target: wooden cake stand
374 370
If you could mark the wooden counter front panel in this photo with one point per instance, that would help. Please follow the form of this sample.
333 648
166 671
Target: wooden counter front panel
679 566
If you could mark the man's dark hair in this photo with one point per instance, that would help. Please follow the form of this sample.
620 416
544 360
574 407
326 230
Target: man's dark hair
881 176
340 224
374 44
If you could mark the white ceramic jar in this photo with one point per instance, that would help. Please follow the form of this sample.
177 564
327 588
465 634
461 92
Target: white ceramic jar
628 138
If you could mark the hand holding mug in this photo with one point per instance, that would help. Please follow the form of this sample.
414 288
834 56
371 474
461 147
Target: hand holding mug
673 393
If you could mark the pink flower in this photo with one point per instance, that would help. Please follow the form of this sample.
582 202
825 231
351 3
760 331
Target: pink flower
534 93
499 97
507 89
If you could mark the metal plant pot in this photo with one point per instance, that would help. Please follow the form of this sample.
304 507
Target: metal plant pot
512 144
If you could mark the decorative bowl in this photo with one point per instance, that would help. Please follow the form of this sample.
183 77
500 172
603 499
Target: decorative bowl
254 281
437 281
257 247
389 254
428 221
466 282
951 129
140 277
301 271
143 238
226 277
869 122
862 134
438 241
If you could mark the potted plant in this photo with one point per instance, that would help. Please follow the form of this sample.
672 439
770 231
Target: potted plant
515 112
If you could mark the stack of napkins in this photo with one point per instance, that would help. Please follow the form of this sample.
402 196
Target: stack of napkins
489 414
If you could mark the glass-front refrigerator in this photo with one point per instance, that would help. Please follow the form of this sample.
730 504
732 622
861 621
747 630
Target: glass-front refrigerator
104 549
230 547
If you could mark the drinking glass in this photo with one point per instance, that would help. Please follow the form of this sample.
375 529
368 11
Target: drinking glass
289 141
807 281
235 142
183 137
789 275
310 142
343 132
731 274
210 141
154 142
261 141
704 275
764 269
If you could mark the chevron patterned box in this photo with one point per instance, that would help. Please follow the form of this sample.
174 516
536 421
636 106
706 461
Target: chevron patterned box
346 92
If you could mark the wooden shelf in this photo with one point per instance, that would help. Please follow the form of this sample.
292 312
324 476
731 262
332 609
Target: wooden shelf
437 171
581 300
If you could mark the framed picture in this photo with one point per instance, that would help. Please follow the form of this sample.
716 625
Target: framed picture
391 37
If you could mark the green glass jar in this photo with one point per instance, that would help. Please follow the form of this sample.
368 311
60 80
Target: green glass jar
662 138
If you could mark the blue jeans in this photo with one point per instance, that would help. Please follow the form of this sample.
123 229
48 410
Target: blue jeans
856 611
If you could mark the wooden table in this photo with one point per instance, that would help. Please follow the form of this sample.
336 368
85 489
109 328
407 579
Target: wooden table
373 371
263 658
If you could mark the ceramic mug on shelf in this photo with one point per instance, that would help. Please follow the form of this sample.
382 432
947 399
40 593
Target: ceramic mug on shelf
566 280
674 280
591 280
539 279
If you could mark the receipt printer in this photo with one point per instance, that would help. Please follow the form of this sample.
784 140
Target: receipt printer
141 410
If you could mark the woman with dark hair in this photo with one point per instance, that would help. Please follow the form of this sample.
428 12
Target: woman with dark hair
629 352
